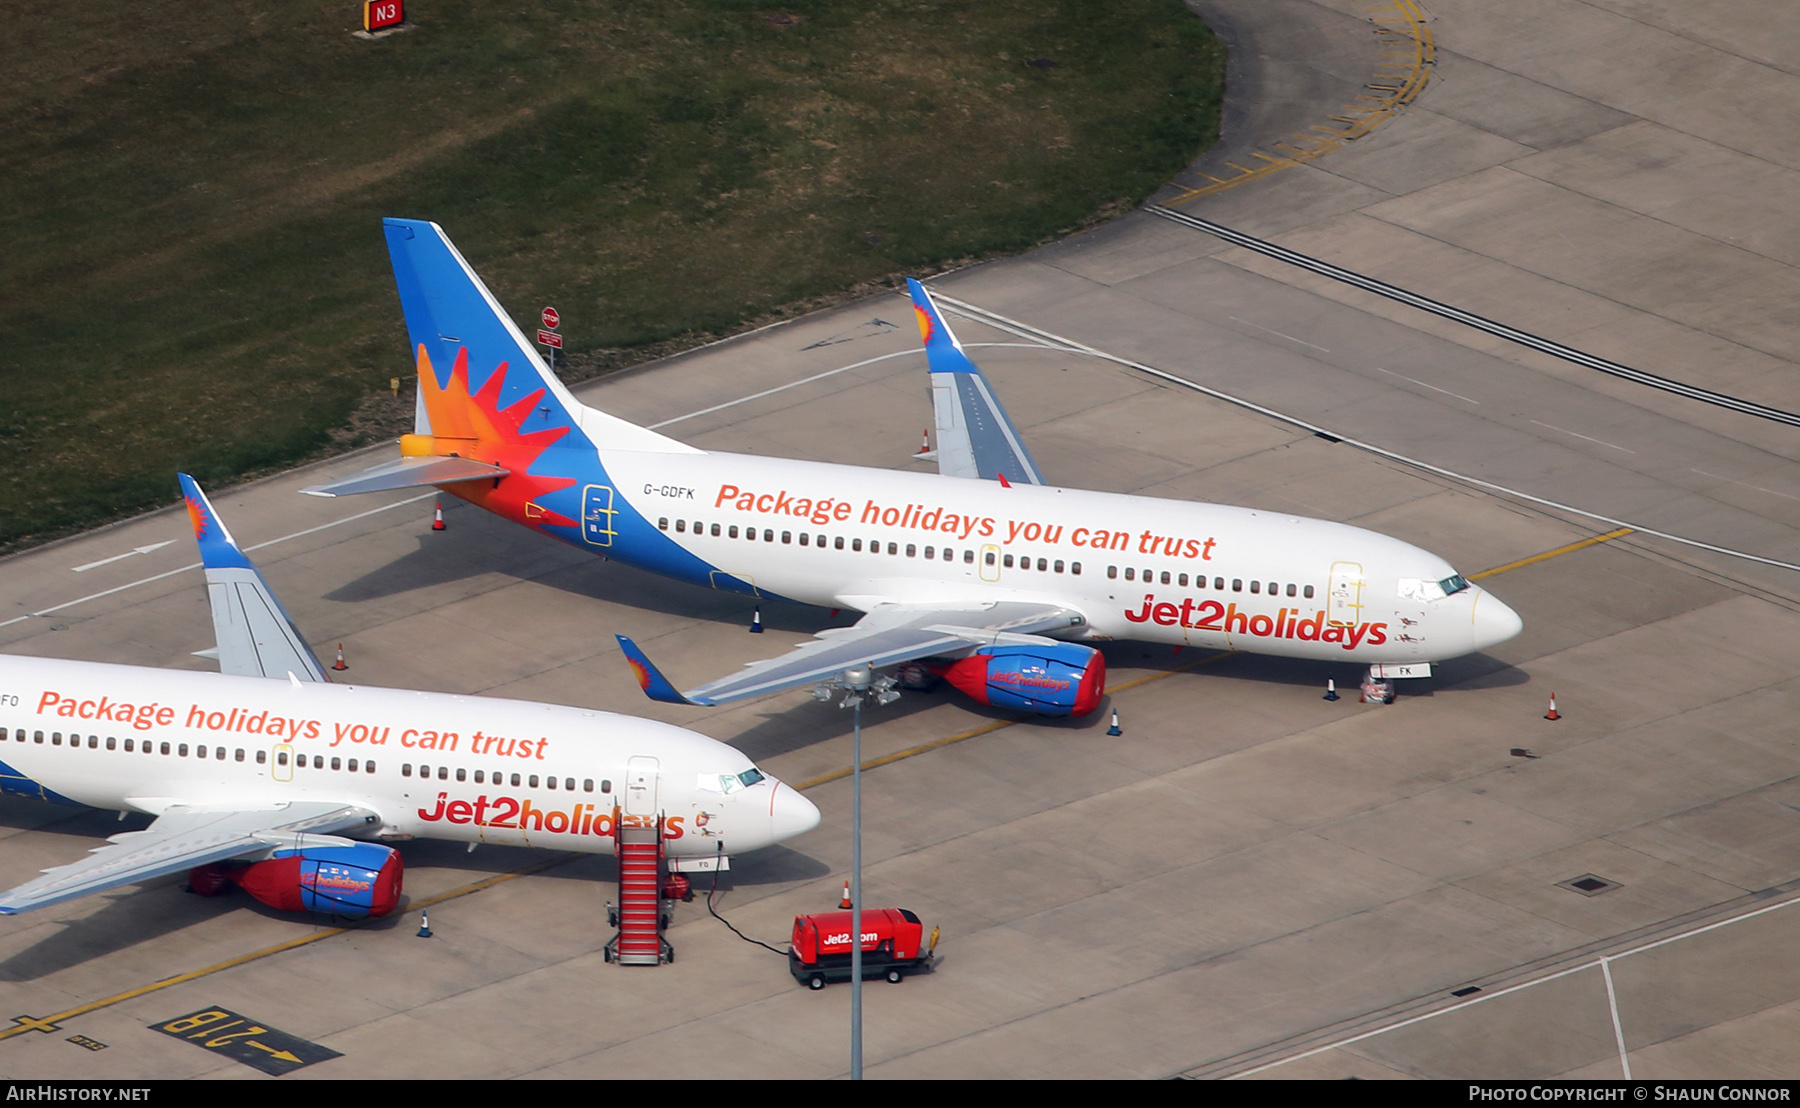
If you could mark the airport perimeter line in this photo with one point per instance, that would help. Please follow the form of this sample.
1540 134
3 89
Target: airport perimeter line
196 565
1600 963
1025 330
48 1024
1470 319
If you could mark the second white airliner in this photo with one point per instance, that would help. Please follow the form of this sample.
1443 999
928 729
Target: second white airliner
982 572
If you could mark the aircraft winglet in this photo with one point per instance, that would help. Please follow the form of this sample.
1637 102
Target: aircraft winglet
974 435
218 550
649 678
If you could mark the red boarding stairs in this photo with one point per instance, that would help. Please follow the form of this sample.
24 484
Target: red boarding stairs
639 915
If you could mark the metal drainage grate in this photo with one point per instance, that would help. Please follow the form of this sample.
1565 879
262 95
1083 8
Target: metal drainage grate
1589 884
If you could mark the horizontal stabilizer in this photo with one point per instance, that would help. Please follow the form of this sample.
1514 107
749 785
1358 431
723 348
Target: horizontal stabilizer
974 436
410 473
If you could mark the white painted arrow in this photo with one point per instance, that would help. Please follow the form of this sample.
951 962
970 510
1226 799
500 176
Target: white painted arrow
121 557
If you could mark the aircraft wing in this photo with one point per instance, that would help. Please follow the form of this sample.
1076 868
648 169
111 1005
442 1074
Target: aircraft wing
974 436
888 635
182 838
410 473
256 637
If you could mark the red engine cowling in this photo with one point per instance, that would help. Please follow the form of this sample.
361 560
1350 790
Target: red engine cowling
1053 679
350 882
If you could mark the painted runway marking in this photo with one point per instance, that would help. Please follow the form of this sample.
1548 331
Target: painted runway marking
1746 485
966 310
1423 385
1277 334
828 373
151 549
1571 548
1579 435
196 565
1601 964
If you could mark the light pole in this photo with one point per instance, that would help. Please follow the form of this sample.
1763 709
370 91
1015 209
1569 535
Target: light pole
856 683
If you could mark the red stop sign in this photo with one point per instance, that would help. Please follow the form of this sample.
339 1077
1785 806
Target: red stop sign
550 318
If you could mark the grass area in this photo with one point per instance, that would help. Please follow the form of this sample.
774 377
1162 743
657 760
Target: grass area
190 192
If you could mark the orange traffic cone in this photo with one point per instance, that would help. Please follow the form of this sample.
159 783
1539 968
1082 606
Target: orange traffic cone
925 441
1552 713
844 905
437 515
339 664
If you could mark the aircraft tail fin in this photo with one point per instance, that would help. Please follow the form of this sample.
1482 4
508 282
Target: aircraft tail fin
975 438
649 678
473 360
256 637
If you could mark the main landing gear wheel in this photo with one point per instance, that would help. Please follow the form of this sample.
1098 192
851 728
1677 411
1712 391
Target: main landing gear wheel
816 981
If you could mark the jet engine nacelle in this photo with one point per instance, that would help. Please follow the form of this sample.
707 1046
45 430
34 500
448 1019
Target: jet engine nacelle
1055 679
350 882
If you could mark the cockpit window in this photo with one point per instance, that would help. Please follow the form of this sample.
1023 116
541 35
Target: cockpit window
1453 584
1412 588
729 782
750 776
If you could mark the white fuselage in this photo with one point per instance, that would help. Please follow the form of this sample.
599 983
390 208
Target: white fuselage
432 765
1137 567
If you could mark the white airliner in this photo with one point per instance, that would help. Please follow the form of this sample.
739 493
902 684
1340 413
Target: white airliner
271 778
982 572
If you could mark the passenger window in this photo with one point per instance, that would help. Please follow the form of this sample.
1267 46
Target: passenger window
280 758
680 526
56 739
93 742
819 541
1181 580
569 783
368 767
240 754
699 527
732 532
587 784
350 765
405 769
478 776
128 744
462 774
1237 584
768 534
443 773
805 539
715 530
219 753
606 786
856 545
1147 575
515 780
930 553
262 756
662 524
1130 574
1290 590
836 544
787 536
912 551
1219 583
1165 576
990 557
893 548
111 743
550 783
1307 592
1112 572
184 750
1058 565
534 779
37 737
1075 568
1256 586
1274 588
968 557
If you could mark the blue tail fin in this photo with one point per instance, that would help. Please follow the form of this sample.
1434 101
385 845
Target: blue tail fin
649 678
974 436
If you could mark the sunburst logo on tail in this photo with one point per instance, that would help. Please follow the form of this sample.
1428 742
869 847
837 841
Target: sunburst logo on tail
926 326
474 425
643 675
198 517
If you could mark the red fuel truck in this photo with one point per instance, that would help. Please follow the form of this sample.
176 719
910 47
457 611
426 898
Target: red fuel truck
893 944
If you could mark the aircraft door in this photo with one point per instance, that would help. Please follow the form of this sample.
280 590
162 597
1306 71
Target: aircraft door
283 767
1344 599
640 786
990 562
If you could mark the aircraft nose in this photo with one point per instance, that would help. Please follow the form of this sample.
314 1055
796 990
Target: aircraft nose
790 814
1493 622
